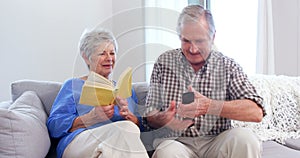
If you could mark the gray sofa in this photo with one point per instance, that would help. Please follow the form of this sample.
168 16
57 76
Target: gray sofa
23 132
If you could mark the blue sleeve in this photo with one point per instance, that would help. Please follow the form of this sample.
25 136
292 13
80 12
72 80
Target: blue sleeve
63 111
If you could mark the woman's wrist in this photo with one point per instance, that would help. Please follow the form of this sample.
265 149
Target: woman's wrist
84 121
77 123
133 118
91 118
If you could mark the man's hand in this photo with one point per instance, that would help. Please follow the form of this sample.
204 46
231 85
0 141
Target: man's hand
167 118
200 106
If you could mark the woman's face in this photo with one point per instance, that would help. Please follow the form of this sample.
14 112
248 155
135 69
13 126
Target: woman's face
102 61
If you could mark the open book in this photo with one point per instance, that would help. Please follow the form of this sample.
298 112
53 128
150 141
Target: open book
98 90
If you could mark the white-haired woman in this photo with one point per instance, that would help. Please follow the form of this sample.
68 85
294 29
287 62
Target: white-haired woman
95 131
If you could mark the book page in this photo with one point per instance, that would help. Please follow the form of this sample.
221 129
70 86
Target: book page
98 85
97 90
124 84
94 77
96 96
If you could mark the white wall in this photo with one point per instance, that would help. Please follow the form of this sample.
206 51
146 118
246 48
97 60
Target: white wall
39 38
128 26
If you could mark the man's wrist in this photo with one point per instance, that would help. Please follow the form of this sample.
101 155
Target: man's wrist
215 107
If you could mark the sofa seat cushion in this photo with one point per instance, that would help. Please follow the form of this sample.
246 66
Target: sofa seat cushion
23 131
271 149
293 143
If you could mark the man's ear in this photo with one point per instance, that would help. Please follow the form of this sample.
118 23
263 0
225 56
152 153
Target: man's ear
214 36
85 58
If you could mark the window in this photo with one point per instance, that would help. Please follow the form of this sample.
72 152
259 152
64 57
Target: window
236 25
160 29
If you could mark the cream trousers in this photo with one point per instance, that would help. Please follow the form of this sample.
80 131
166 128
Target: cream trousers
233 143
115 140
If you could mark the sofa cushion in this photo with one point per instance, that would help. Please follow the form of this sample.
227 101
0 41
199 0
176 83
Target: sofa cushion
293 143
23 131
271 149
5 104
141 90
46 90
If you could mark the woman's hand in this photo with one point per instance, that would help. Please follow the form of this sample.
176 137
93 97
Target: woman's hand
96 115
125 112
102 113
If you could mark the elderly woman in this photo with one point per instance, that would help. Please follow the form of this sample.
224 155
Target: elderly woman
95 131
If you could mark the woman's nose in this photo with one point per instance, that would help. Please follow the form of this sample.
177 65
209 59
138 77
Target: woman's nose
109 56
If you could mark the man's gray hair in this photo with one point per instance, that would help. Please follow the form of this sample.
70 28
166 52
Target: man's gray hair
90 40
192 13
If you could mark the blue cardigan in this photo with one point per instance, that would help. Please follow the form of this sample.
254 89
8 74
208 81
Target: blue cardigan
66 108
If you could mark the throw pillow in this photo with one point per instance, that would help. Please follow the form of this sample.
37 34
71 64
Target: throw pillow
23 131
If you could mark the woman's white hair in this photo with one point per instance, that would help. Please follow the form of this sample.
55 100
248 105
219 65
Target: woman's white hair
91 39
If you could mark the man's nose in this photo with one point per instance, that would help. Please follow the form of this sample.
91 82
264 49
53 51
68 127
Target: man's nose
194 48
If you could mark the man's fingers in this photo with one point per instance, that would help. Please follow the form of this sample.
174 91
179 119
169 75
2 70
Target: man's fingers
177 124
172 106
191 89
197 94
188 110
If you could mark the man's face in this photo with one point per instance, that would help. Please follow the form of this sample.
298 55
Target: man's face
196 43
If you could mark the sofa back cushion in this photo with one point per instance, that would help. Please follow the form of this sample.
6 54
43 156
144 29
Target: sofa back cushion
141 90
46 91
